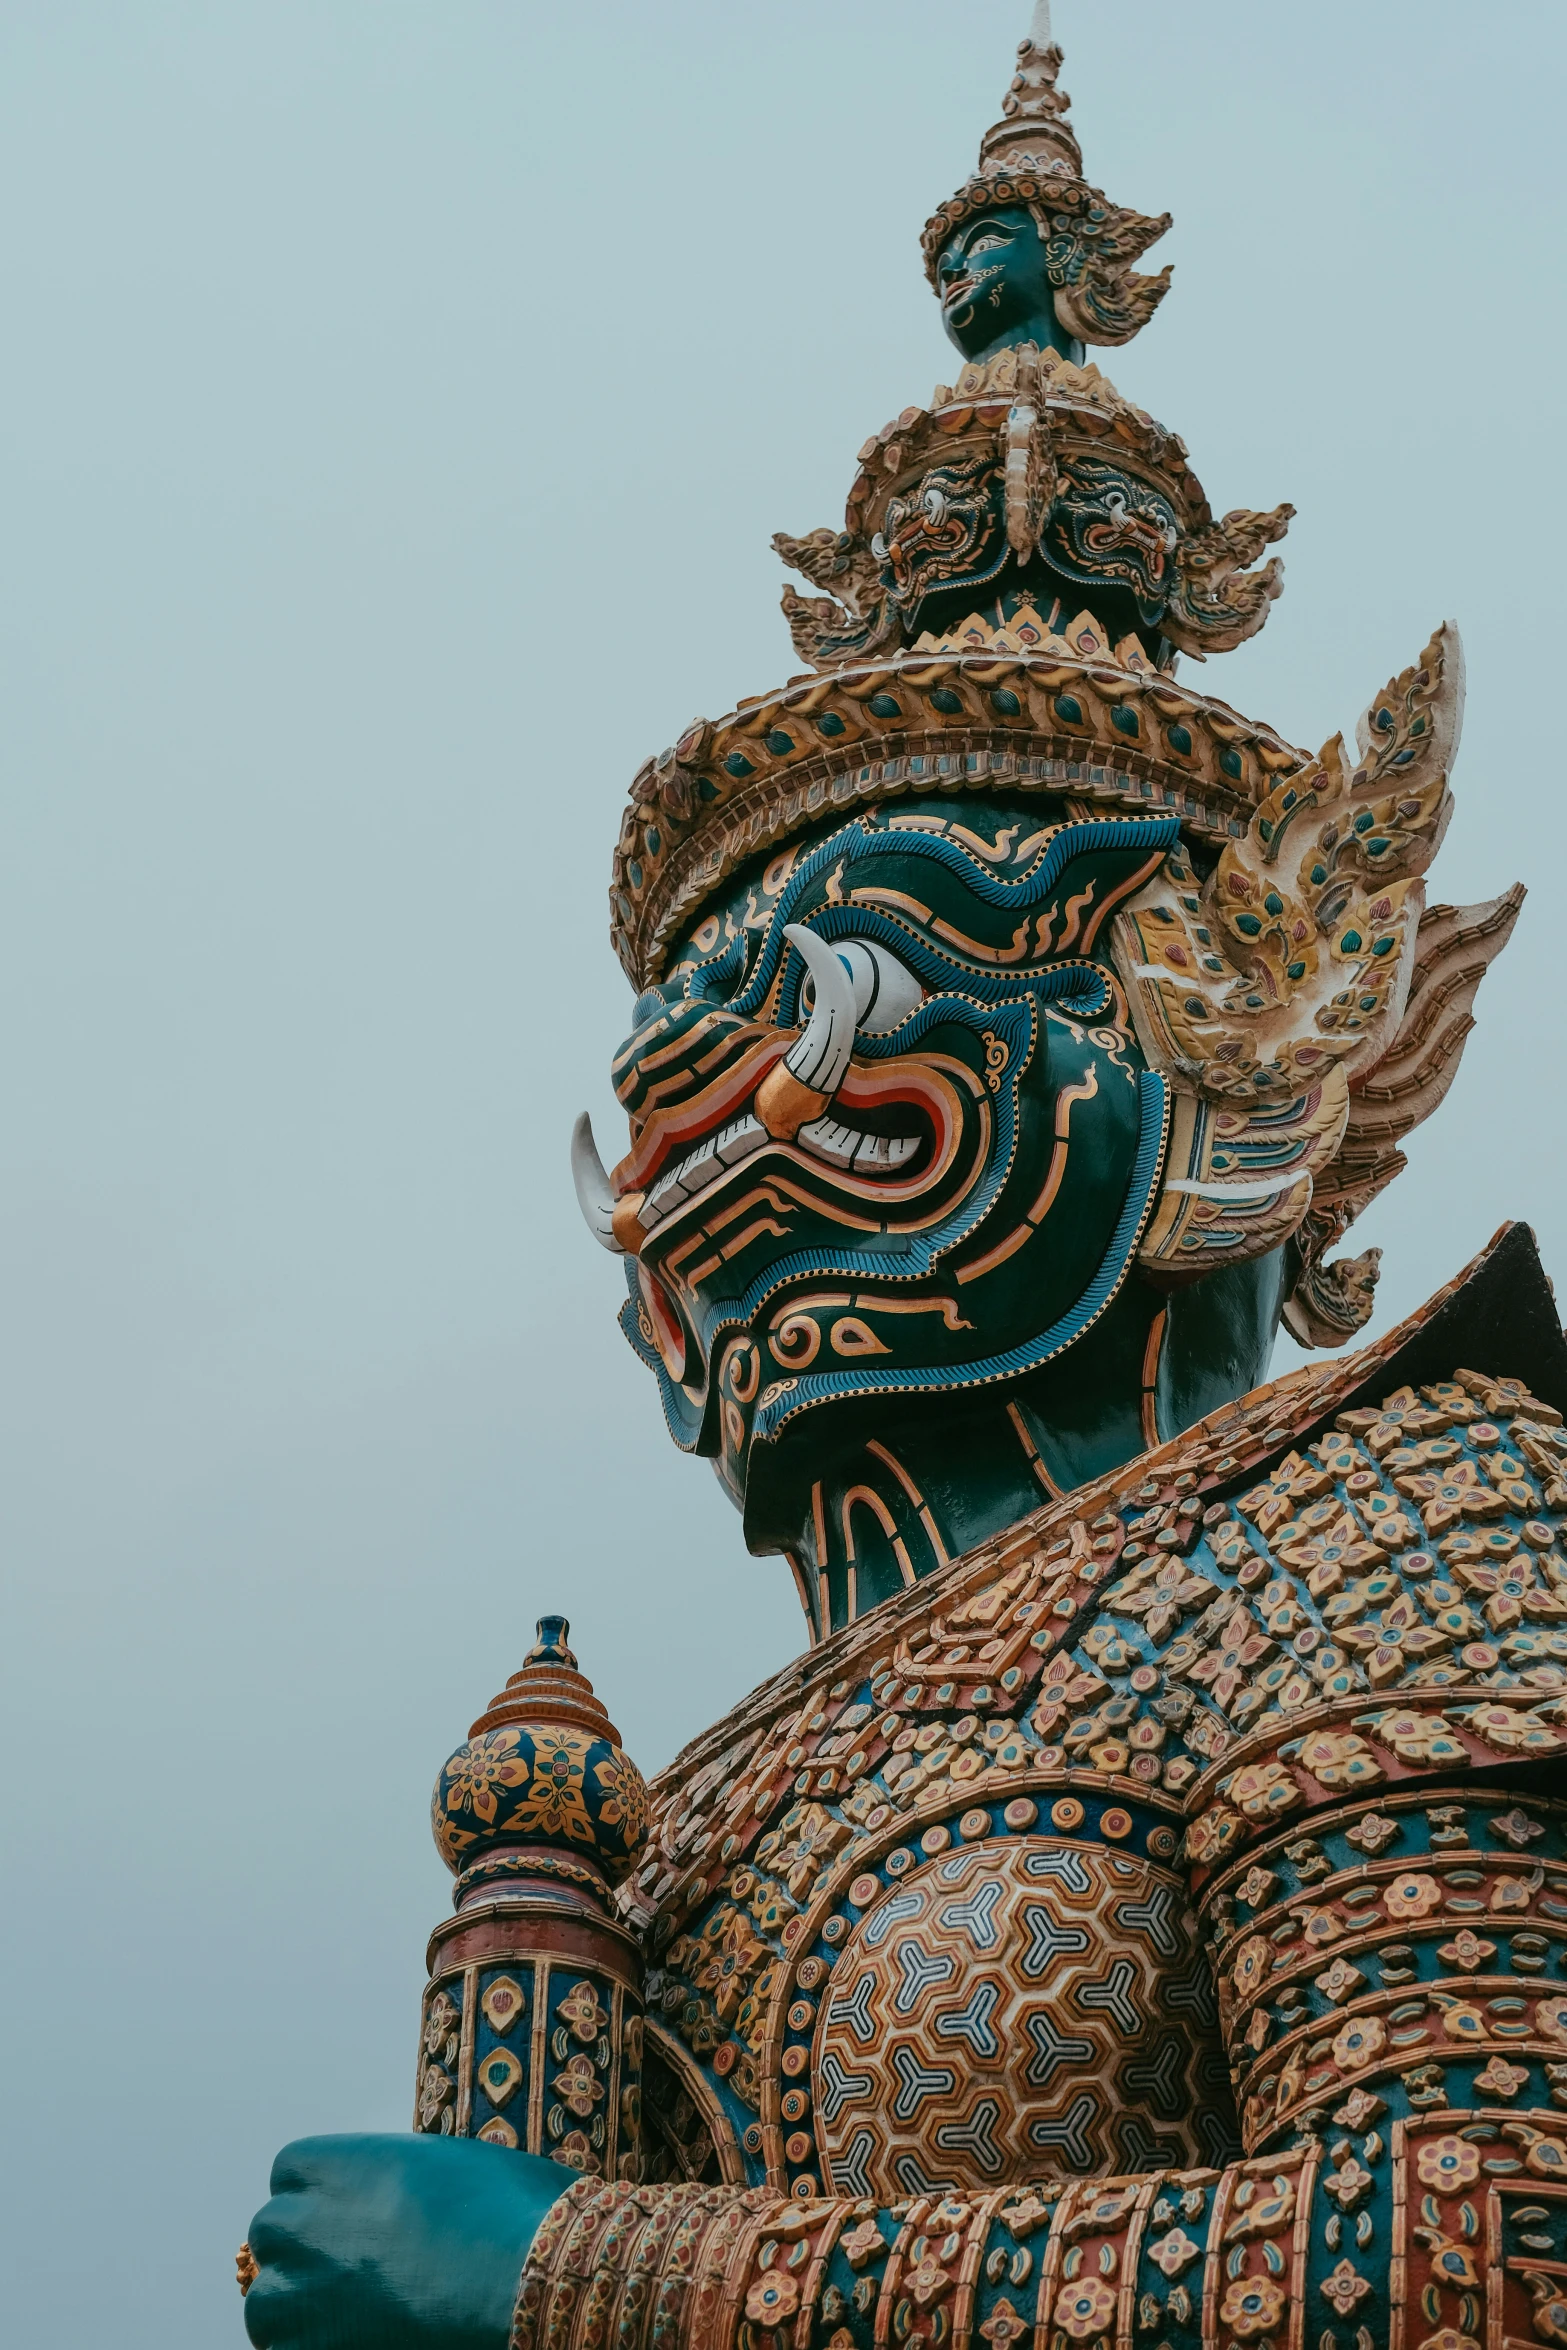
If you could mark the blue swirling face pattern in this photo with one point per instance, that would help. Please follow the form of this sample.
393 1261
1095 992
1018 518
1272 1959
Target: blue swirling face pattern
968 1199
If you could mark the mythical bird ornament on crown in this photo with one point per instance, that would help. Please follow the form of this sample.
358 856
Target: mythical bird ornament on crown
1018 1026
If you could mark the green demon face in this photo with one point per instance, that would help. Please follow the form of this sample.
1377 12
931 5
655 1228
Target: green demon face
994 285
892 1132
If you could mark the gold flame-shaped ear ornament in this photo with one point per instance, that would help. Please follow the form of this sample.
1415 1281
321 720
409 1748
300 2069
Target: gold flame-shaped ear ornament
1306 1006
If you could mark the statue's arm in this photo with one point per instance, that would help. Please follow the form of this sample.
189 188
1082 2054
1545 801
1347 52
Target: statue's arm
1189 2259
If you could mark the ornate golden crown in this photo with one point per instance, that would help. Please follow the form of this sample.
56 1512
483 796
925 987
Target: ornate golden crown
1050 429
1017 701
1015 706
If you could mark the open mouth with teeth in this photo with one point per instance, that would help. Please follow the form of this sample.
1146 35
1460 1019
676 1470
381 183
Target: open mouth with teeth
892 1136
851 1149
889 1127
885 1156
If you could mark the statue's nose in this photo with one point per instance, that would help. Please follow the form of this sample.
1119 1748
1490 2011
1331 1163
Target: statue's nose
650 1018
661 1017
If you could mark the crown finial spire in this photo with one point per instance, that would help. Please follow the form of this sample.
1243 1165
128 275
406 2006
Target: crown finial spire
1034 132
552 1642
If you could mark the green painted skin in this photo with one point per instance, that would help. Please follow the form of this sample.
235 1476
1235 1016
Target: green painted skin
995 287
995 290
1083 1413
393 2243
863 1488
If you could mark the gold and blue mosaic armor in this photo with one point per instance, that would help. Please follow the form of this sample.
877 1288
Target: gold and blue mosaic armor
1153 1928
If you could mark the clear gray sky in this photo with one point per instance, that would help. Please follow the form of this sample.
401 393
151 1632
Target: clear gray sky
397 402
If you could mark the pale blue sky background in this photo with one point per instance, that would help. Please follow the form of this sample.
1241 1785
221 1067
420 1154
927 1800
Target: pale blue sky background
397 402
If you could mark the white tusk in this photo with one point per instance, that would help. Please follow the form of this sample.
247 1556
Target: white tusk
594 1196
820 1057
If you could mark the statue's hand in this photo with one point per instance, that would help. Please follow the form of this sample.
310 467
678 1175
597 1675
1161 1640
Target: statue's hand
394 2243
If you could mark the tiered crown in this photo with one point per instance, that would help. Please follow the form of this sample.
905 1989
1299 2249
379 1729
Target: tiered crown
1034 133
1029 523
1028 475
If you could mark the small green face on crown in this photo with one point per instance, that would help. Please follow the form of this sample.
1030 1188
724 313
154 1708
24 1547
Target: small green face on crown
995 288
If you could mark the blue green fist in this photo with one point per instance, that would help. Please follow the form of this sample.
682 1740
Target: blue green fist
394 2243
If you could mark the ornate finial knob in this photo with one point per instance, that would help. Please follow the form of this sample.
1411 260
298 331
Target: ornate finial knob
1034 131
552 1642
531 2029
541 1787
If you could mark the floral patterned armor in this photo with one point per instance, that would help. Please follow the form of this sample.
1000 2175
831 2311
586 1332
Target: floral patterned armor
1139 1921
1209 1779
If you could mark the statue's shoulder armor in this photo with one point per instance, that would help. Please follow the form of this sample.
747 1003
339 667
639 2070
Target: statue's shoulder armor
917 1909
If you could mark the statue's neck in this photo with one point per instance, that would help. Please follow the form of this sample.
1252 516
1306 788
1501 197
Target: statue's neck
884 1493
894 1507
1041 327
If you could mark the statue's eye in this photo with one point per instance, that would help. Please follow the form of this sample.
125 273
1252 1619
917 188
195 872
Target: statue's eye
935 505
989 243
885 989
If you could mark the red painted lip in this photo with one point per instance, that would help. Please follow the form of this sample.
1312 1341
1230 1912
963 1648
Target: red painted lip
963 289
873 1087
671 1134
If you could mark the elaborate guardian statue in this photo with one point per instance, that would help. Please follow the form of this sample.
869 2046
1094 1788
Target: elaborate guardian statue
1139 1919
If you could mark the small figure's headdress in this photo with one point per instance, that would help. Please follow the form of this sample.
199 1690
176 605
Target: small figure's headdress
1034 133
1031 157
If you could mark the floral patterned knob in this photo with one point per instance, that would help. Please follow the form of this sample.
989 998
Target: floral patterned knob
542 1770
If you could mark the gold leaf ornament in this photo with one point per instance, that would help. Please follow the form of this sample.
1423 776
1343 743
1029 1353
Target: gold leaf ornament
1272 994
